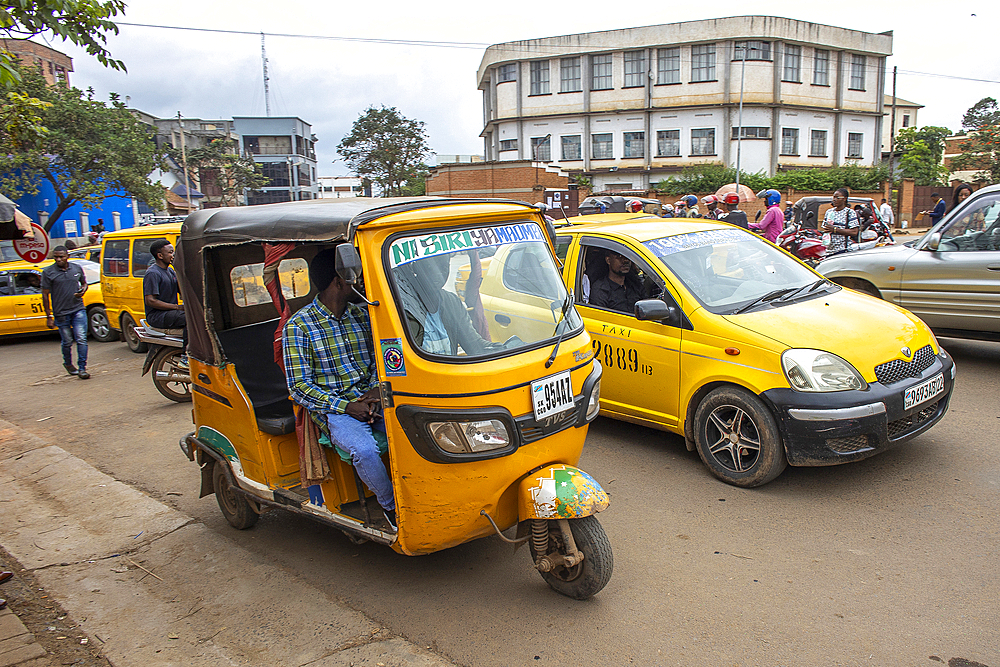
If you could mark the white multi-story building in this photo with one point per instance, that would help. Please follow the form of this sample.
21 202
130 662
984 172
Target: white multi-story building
284 147
630 107
338 187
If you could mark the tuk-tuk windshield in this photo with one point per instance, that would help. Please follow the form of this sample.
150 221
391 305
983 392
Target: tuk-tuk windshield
480 291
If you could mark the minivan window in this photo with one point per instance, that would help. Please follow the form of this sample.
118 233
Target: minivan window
141 257
116 258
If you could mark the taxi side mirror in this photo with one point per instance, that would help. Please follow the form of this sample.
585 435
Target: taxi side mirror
659 311
934 241
348 263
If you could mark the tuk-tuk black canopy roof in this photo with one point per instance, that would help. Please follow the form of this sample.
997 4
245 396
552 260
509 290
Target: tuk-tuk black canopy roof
316 220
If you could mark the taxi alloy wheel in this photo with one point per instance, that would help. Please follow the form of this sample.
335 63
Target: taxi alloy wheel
738 438
130 336
100 327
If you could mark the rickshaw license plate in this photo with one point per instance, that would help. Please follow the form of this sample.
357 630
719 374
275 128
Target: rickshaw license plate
924 391
552 395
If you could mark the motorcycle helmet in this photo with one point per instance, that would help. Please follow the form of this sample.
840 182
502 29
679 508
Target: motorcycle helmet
709 200
668 207
690 200
731 198
770 197
634 206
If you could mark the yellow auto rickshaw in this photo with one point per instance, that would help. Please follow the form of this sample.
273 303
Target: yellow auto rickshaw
481 435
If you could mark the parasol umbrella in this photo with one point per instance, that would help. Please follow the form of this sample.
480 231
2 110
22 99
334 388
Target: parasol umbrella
746 194
13 223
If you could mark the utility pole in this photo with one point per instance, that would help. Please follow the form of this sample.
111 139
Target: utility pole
267 92
187 179
892 125
739 130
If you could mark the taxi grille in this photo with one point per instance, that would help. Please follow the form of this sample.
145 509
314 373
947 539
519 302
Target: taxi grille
893 371
910 423
847 445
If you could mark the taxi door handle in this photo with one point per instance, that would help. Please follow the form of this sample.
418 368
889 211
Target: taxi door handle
994 267
503 320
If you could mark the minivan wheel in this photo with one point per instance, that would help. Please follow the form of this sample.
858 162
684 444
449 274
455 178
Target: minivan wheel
737 438
131 337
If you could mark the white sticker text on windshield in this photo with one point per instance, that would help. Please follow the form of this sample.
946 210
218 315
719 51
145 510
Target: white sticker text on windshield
412 248
671 244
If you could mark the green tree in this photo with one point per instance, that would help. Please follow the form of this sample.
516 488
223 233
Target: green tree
921 151
86 23
415 184
89 149
709 178
218 162
982 114
386 147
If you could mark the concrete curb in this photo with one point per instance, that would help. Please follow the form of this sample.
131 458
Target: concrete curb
156 588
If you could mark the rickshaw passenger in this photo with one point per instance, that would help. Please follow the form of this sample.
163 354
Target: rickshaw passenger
331 371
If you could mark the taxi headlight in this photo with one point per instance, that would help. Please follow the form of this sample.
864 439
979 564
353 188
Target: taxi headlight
466 437
816 370
594 404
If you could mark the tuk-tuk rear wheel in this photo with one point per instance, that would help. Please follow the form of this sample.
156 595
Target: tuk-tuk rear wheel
589 577
235 507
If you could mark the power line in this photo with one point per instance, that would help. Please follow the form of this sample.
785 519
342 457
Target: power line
947 76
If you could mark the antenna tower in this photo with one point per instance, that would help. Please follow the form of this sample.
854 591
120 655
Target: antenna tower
267 92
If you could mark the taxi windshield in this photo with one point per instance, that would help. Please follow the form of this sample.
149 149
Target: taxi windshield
480 292
728 270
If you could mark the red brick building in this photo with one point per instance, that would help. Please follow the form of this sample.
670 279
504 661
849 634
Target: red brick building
517 179
55 65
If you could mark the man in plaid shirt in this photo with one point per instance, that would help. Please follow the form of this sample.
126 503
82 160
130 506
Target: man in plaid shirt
331 371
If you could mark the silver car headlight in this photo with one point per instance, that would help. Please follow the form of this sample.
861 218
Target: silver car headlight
466 437
816 370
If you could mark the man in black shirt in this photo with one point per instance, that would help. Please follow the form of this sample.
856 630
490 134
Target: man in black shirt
614 291
160 291
63 285
734 216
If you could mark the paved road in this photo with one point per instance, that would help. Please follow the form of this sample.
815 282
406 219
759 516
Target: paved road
890 561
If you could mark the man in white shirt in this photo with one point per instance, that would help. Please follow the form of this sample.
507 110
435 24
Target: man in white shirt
885 212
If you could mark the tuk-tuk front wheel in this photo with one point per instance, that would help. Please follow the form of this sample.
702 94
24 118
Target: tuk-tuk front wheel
579 580
239 511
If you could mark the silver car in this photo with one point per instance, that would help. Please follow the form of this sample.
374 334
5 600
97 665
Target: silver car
949 278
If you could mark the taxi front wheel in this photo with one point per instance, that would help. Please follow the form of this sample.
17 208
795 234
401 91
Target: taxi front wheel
737 438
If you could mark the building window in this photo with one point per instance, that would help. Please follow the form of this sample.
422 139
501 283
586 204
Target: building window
754 49
753 132
569 73
602 147
906 120
703 63
789 141
857 72
821 68
703 142
267 145
793 63
854 140
635 144
276 174
817 146
507 73
508 144
600 69
268 197
635 69
539 77
541 149
668 68
668 143
571 148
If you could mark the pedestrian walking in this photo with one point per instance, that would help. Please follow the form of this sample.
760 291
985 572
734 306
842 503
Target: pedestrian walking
63 286
885 212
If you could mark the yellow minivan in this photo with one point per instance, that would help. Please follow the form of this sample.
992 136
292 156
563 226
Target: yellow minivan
754 358
124 259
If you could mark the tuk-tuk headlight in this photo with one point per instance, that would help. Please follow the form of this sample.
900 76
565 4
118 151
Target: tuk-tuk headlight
594 404
819 371
464 437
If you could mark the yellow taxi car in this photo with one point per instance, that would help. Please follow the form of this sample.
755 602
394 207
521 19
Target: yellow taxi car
21 310
124 259
719 336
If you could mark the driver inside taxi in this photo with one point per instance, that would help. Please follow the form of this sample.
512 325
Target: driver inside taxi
436 318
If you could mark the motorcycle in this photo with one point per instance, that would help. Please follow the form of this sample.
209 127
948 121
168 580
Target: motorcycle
805 244
168 361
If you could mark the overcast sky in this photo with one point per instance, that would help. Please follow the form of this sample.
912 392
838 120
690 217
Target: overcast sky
329 83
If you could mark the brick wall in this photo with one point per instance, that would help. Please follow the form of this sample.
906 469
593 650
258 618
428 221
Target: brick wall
522 180
54 64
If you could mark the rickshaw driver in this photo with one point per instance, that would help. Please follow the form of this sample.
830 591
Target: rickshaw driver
330 370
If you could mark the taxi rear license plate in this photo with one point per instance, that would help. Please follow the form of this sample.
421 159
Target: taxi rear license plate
552 395
924 391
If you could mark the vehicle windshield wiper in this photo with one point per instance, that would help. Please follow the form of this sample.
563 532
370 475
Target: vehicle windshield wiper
805 289
770 296
560 328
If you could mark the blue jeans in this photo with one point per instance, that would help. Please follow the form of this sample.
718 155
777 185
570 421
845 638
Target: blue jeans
356 439
73 327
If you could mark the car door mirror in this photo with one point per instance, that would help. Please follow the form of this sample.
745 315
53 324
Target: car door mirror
657 310
933 241
347 263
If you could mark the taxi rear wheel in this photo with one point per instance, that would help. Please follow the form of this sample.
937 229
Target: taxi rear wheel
737 438
130 336
235 507
100 327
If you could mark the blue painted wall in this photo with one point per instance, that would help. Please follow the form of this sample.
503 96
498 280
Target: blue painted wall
32 205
